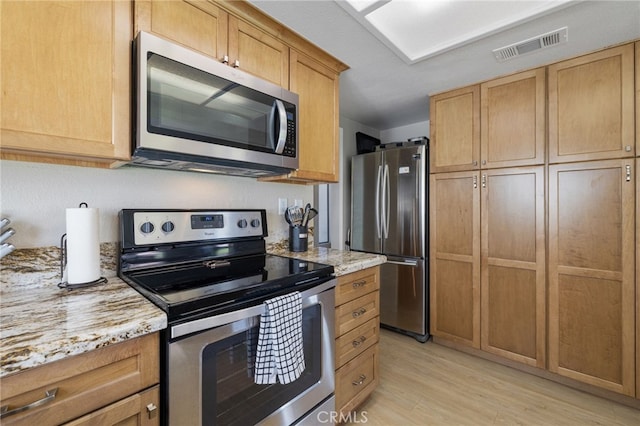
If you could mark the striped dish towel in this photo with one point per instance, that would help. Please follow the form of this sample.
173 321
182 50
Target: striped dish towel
280 353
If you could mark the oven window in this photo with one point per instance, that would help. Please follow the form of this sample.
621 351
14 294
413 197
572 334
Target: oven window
229 394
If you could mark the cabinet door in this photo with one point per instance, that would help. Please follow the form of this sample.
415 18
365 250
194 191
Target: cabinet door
591 273
65 79
258 53
455 130
455 257
318 148
196 24
638 105
513 264
591 112
513 120
637 277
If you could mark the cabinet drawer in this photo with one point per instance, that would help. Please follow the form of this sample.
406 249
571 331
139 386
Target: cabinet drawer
356 380
140 409
355 313
357 284
84 382
356 341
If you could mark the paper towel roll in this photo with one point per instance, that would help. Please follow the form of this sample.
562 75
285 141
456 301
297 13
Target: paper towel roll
83 245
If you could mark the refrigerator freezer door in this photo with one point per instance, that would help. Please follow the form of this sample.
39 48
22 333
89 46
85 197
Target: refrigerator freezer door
405 197
403 301
366 195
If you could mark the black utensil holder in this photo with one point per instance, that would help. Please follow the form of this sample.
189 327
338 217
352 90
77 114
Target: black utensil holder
298 238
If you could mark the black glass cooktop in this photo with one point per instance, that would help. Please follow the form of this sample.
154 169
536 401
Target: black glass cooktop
217 286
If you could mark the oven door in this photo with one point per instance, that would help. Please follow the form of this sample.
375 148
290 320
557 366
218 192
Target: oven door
210 373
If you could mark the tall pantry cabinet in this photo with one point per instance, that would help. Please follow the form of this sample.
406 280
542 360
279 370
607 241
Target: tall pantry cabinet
487 224
557 209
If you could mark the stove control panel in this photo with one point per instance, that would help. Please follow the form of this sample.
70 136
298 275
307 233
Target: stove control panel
172 226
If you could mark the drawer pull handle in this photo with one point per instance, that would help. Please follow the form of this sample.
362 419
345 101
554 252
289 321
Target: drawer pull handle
358 341
50 395
359 312
359 283
361 380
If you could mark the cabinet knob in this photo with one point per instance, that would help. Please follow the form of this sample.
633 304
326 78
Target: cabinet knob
236 63
152 410
627 148
225 59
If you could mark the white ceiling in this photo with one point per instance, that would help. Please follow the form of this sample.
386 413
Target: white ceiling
382 89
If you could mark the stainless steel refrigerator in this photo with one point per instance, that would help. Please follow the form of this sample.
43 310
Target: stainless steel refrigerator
389 197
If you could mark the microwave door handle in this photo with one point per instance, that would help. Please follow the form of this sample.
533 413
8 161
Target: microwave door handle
282 130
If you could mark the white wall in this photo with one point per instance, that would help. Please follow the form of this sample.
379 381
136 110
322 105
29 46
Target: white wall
34 197
401 134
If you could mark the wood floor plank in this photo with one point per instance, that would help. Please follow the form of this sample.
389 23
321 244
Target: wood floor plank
430 384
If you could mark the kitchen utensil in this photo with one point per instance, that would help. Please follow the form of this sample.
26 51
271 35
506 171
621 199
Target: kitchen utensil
305 215
6 234
5 249
312 213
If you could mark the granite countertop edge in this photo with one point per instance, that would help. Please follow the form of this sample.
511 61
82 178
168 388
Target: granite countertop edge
59 323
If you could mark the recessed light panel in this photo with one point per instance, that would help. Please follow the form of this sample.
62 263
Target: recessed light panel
418 29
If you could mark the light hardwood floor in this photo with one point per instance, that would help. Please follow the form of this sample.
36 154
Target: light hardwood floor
429 384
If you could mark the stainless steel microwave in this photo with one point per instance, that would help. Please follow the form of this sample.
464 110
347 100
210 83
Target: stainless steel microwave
197 114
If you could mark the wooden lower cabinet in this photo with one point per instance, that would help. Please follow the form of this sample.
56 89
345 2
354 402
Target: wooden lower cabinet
591 273
455 257
638 253
357 334
116 384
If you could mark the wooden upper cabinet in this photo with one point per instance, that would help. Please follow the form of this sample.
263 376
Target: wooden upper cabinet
513 111
455 257
591 273
197 24
638 112
66 81
258 53
205 27
513 264
455 130
318 131
591 111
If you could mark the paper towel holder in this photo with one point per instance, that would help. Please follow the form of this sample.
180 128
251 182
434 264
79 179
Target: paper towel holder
63 263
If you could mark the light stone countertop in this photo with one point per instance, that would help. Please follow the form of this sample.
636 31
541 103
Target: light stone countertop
41 323
344 262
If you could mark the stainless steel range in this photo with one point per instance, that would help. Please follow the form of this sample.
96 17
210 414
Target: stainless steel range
209 271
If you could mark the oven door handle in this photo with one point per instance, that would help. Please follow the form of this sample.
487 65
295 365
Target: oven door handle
180 330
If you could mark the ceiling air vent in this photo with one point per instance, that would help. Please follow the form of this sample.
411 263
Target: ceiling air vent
530 45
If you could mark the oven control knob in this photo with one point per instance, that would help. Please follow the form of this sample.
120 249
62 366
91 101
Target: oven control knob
147 228
255 223
168 226
242 223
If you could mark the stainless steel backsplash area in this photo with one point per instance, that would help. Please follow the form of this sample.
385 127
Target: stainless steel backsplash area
35 197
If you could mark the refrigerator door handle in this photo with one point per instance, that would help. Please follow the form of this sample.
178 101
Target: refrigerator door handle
377 213
386 200
404 262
